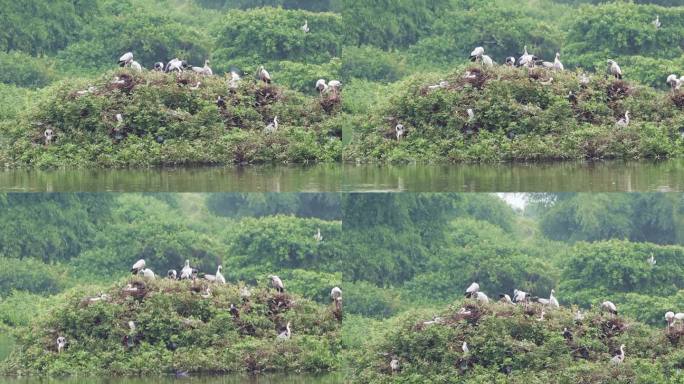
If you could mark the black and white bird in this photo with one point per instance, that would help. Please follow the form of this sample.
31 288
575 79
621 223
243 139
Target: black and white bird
620 357
674 82
138 266
399 130
527 59
394 365
220 102
651 260
174 65
609 307
48 135
614 69
286 334
567 335
147 273
477 53
186 272
172 274
334 86
335 293
159 66
520 296
205 71
61 343
277 283
272 127
656 23
125 59
624 121
510 61
504 298
234 311
321 86
264 75
472 289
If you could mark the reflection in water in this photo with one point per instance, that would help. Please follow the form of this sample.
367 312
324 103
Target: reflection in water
222 379
613 176
643 176
316 178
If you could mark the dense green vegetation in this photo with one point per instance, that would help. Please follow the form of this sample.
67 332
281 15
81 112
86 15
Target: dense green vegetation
385 53
477 238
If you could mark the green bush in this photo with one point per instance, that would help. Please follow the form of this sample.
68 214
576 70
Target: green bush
26 71
31 276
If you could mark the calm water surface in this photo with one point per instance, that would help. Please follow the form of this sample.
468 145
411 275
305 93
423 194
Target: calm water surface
613 176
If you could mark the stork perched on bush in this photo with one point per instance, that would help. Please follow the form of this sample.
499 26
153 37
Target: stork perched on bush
527 59
277 283
125 59
476 54
138 266
614 69
321 86
206 70
609 307
264 75
472 289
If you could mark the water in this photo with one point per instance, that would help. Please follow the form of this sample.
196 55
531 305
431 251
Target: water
223 379
612 176
315 178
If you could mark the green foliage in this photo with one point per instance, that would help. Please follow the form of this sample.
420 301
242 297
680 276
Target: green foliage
207 337
25 71
639 217
372 64
324 206
517 117
246 41
504 339
29 275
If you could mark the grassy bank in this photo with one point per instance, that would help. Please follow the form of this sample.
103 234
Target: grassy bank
511 344
169 120
519 115
176 329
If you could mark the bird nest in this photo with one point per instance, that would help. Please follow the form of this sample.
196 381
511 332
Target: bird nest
267 94
611 327
675 335
678 99
280 302
618 90
478 77
127 84
331 102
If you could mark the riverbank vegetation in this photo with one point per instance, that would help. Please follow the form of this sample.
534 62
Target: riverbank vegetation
387 60
414 280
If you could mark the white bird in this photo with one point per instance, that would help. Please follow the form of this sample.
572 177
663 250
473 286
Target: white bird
125 59
245 293
186 272
399 129
147 273
541 317
206 70
472 289
623 122
272 127
669 318
264 75
464 312
505 298
579 316
526 59
481 297
487 61
553 301
234 79
441 84
510 61
609 307
584 79
219 276
679 316
305 27
318 237
172 274
476 53
285 335
656 22
159 66
520 296
557 65
48 134
206 294
464 347
321 86
651 260
138 266
619 358
61 343
131 325
174 65
471 115
277 283
334 86
614 69
394 365
674 82
135 66
335 293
